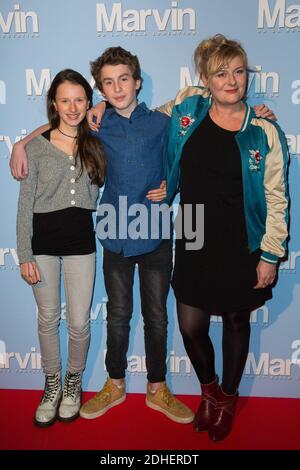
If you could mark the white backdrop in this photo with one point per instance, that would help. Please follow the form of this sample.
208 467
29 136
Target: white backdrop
39 38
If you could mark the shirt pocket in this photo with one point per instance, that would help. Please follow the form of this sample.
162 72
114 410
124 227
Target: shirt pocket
152 152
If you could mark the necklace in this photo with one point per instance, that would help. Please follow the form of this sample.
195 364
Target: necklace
71 136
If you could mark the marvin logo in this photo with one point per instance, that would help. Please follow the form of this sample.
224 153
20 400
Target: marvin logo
172 19
291 263
2 92
98 313
8 258
293 143
176 364
30 360
19 22
283 14
263 83
264 365
8 142
38 81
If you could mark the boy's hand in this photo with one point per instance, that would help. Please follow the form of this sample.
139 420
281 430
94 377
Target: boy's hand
95 114
266 273
157 195
30 272
263 111
18 161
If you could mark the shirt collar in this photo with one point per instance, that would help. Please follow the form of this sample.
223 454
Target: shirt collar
141 108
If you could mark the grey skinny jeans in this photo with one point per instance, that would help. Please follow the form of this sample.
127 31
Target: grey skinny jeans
79 276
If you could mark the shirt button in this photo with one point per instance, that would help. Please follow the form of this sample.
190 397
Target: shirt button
72 191
71 157
72 167
72 180
73 203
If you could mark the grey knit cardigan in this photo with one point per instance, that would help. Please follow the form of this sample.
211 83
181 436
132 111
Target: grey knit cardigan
51 185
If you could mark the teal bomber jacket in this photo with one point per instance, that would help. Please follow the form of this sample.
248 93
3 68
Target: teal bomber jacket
264 158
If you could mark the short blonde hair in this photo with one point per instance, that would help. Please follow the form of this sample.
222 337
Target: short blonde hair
213 54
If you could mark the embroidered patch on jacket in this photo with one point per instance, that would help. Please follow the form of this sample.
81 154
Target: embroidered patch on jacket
254 160
185 122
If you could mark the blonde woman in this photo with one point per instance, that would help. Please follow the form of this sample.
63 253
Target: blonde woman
221 155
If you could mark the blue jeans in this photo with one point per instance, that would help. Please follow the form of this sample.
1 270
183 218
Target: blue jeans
155 275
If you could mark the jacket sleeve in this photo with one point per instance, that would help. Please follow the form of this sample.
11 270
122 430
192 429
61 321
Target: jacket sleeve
273 244
167 108
25 208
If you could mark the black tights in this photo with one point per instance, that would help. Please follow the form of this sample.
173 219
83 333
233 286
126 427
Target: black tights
194 326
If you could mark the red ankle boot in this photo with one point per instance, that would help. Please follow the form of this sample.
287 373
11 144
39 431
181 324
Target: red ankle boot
203 417
223 415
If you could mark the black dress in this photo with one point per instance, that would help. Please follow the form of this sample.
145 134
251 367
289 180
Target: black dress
220 276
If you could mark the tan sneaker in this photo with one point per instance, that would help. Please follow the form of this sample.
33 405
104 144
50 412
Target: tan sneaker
110 395
164 401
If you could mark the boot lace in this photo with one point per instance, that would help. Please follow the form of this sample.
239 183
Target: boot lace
72 385
52 386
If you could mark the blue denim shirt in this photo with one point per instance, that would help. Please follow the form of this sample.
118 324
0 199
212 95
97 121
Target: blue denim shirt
135 150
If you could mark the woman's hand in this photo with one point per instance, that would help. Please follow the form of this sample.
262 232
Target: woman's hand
30 272
18 161
96 112
261 110
266 273
157 195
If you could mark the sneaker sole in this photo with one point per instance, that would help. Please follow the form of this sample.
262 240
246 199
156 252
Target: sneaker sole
169 415
97 414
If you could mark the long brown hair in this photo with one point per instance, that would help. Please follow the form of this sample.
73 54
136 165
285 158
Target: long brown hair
89 150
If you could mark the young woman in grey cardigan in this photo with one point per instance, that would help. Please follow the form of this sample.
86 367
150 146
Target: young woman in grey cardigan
54 230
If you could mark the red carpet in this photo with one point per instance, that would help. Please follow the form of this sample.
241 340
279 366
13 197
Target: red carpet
261 423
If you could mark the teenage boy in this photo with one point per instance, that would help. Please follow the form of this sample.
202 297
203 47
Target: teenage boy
135 140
